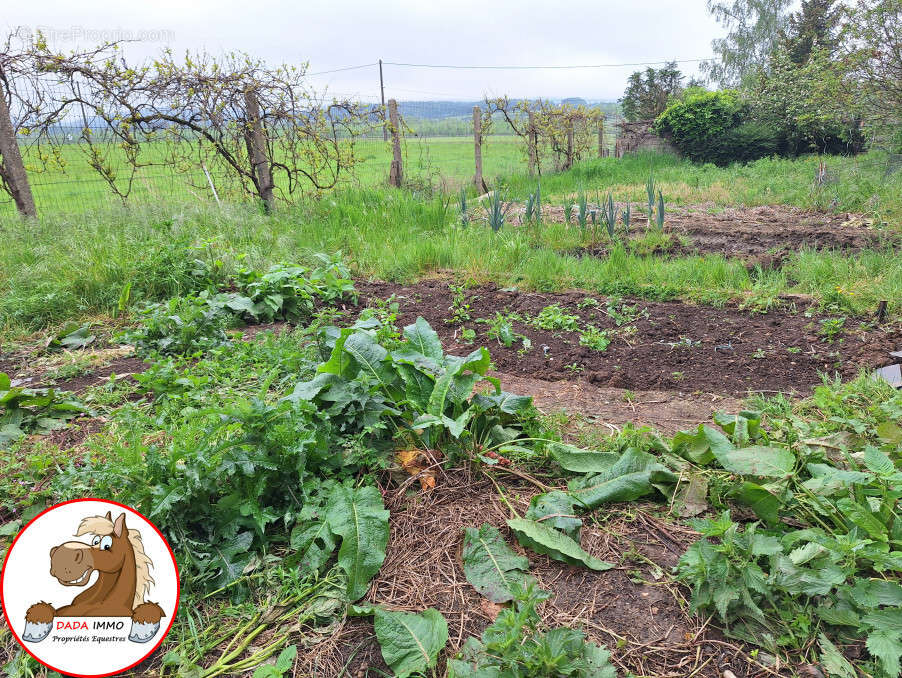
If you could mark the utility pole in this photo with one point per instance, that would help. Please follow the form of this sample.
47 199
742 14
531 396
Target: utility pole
382 94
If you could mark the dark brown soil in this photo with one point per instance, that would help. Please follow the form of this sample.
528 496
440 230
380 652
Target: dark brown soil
753 233
31 368
632 609
121 366
250 332
73 435
674 346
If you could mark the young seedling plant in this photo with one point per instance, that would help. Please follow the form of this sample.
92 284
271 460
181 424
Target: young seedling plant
462 207
650 193
659 214
497 211
609 215
534 206
582 215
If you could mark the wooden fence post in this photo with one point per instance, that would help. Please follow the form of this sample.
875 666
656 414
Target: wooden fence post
601 138
12 166
477 148
395 175
532 143
257 148
569 143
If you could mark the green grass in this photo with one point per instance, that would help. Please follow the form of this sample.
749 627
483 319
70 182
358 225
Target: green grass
69 184
68 265
855 184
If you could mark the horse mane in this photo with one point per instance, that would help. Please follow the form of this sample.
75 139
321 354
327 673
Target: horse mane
102 526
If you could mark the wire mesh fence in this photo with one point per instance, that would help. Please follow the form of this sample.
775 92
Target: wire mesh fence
69 176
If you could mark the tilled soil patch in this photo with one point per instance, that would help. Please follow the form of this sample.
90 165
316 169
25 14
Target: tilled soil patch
36 368
633 609
665 411
751 233
668 346
120 367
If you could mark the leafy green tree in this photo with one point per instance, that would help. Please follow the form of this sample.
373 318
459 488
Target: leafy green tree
873 42
713 127
815 26
753 30
647 93
812 107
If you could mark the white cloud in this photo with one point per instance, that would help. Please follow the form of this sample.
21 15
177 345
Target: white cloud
468 32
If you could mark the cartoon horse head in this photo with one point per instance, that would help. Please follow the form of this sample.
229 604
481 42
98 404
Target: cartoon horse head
110 552
116 553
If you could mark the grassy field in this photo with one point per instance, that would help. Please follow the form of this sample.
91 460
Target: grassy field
251 410
68 184
64 266
64 182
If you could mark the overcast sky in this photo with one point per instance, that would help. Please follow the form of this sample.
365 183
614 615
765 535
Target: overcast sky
342 33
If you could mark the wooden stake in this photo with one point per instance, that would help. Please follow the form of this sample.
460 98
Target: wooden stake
601 138
257 148
881 312
382 96
569 143
532 139
11 159
477 149
395 174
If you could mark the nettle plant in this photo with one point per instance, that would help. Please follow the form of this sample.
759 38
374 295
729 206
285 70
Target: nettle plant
823 561
185 325
501 329
515 645
182 326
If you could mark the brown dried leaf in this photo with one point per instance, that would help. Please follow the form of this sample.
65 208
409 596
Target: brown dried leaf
417 463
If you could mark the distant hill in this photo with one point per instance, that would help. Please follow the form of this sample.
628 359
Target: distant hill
432 110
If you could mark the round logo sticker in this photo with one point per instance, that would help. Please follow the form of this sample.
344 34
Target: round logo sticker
90 588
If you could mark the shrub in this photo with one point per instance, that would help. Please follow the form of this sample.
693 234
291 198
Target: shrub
744 143
697 123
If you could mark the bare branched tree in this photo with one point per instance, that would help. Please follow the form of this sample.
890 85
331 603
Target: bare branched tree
563 133
260 129
35 102
210 112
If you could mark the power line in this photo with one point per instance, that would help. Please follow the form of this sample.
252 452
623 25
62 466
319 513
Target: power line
346 68
523 68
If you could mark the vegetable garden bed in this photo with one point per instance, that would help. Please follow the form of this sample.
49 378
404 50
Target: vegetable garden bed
668 345
754 234
362 495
